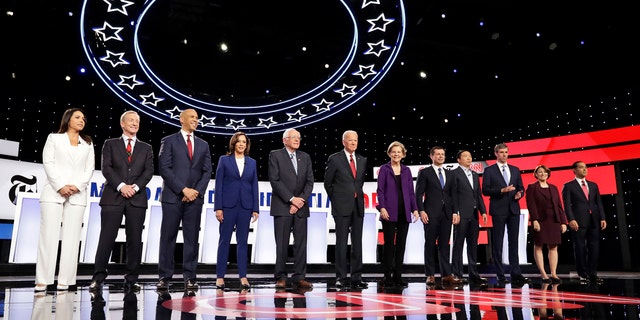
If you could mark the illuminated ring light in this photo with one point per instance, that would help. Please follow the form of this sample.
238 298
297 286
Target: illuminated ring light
109 33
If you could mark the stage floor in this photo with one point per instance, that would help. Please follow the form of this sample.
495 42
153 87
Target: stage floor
618 297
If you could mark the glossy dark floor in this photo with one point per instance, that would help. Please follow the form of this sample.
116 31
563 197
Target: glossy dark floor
618 297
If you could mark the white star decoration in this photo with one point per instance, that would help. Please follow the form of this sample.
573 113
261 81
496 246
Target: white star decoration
322 105
235 124
376 25
108 32
343 92
367 69
206 121
114 59
121 6
368 2
152 96
268 122
129 81
297 116
380 45
175 112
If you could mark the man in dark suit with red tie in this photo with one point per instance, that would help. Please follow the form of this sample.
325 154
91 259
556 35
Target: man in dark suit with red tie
343 181
184 163
585 212
126 173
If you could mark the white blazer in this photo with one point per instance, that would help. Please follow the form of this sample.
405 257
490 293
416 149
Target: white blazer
66 164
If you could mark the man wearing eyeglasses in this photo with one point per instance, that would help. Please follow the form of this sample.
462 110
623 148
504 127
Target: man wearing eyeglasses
291 178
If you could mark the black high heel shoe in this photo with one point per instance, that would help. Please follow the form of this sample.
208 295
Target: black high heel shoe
220 286
245 286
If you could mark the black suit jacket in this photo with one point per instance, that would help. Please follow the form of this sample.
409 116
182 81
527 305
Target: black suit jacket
116 169
502 204
178 171
467 200
576 205
285 183
341 185
431 197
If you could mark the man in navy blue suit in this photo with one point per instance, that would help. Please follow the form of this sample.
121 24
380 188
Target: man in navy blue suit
503 184
585 212
184 162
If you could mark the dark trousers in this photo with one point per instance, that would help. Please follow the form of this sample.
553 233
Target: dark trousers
395 241
511 223
189 214
110 221
468 230
353 224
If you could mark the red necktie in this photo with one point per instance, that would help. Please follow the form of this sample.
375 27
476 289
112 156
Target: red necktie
129 150
189 147
353 165
585 190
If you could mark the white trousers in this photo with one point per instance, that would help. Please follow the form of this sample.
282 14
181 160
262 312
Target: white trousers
51 216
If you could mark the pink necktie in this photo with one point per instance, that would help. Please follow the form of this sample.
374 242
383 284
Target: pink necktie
353 165
585 190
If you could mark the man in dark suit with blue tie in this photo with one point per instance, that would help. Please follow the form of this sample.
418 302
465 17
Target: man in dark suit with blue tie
467 202
291 178
184 163
124 194
503 184
343 181
585 212
434 190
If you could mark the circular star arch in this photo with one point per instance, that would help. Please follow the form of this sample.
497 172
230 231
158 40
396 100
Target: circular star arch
110 33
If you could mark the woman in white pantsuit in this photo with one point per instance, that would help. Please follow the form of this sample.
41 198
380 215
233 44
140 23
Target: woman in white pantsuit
69 160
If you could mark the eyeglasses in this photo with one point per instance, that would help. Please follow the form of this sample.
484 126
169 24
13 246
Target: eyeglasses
294 137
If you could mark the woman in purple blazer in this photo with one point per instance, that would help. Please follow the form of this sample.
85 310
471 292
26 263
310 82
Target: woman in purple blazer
398 207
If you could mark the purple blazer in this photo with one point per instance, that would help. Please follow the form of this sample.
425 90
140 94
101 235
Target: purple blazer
388 191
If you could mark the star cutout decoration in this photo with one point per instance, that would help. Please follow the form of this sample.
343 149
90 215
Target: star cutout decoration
368 2
346 90
297 116
207 121
114 59
152 96
380 47
267 123
175 113
129 81
107 32
379 23
365 71
118 6
322 105
235 124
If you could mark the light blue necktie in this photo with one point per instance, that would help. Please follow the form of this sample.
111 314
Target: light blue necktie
505 175
441 177
294 161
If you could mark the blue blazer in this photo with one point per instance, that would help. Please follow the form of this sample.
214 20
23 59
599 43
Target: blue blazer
502 204
233 190
388 191
178 171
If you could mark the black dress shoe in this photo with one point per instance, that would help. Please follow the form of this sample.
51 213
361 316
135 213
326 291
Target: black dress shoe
132 287
339 283
359 285
95 286
502 279
595 280
400 283
520 279
191 284
478 280
163 284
